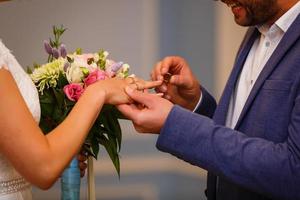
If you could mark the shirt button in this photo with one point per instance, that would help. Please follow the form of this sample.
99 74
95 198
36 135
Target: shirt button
267 44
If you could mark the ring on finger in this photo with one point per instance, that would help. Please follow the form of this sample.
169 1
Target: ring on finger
167 77
138 86
132 79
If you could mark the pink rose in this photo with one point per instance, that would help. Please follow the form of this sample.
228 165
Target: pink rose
94 76
73 91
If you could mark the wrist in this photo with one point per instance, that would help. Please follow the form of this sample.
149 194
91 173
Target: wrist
193 104
98 91
194 98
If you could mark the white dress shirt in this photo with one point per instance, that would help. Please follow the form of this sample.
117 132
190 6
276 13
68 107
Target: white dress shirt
258 56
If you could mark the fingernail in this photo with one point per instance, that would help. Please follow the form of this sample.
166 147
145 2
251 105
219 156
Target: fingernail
164 70
160 78
129 89
163 88
168 97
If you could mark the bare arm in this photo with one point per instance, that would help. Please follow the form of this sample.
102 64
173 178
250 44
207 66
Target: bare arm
40 159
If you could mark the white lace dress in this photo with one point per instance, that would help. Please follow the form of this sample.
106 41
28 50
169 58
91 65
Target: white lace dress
12 185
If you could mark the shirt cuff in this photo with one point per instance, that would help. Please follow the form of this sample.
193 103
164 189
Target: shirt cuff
199 103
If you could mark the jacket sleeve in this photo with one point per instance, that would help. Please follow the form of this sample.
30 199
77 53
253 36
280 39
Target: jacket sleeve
254 163
207 105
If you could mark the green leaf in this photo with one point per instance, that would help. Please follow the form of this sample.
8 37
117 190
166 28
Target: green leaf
46 97
117 113
47 103
59 95
58 114
51 42
62 81
78 51
112 152
28 70
110 121
70 60
54 30
46 126
46 109
95 148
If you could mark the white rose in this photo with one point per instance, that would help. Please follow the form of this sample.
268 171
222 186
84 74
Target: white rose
105 53
96 57
125 68
74 74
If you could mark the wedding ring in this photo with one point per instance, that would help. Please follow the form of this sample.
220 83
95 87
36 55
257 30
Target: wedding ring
137 85
132 79
133 82
167 77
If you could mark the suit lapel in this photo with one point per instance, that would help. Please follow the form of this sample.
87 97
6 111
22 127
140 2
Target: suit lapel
221 111
285 44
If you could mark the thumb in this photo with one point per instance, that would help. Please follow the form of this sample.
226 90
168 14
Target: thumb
139 97
182 81
129 111
178 80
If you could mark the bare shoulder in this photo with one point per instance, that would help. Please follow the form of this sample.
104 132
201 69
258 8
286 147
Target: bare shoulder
14 112
7 82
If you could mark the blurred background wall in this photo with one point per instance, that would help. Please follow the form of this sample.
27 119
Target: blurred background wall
139 32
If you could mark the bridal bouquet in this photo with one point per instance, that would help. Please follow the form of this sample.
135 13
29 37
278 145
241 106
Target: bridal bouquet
62 80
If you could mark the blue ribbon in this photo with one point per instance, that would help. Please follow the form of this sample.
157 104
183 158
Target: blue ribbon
70 182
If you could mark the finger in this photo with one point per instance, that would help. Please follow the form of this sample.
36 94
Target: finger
140 97
130 79
173 65
82 166
163 88
82 173
152 75
159 94
166 65
169 65
166 96
128 110
81 157
157 72
178 80
150 84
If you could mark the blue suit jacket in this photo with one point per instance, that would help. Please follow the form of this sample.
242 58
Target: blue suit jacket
260 158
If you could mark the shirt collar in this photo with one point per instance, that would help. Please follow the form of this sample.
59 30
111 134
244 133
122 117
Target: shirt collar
284 22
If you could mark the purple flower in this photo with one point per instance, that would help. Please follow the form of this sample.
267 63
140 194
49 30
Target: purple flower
55 53
47 47
116 66
63 50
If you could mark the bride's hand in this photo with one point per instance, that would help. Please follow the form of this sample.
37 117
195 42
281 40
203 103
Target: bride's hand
115 88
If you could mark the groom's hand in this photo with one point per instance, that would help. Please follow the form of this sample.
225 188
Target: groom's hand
180 85
149 113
